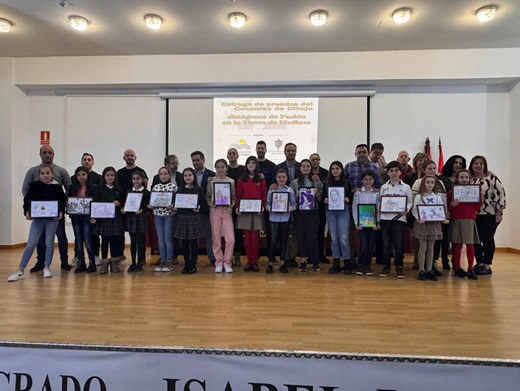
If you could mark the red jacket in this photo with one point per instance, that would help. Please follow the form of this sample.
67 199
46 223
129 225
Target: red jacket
252 190
463 211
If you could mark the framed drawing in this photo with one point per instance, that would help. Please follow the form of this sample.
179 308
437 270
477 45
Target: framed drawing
42 209
431 212
186 201
222 193
467 193
336 197
307 199
161 199
133 202
78 205
367 215
280 202
393 203
102 210
248 205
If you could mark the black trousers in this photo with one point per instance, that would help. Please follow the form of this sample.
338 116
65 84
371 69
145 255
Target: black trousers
190 250
306 222
392 232
486 227
138 247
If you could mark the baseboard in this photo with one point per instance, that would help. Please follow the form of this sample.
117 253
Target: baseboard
11 246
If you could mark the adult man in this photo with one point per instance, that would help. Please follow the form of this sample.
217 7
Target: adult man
265 166
124 175
320 174
376 156
61 176
354 169
290 164
87 161
403 158
202 174
171 162
235 170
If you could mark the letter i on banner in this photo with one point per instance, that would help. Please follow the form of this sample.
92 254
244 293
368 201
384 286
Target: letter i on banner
45 137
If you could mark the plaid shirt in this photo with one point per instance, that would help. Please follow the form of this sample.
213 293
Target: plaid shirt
353 171
363 196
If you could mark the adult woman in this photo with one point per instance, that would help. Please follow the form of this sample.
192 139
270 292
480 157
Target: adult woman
417 172
490 214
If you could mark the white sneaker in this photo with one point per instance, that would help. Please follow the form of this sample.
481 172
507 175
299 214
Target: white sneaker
97 260
218 269
47 272
228 269
17 275
158 269
74 262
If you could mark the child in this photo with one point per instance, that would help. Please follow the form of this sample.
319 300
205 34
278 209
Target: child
307 221
188 227
82 187
427 232
251 186
46 189
220 217
392 224
338 220
112 231
279 221
164 219
463 229
367 236
136 223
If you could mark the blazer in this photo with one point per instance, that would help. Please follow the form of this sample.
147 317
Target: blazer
286 168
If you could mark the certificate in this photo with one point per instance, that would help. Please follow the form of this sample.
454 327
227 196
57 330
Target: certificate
336 197
186 201
78 205
222 193
41 209
367 215
431 212
280 202
161 199
102 210
467 193
248 205
307 199
393 203
133 202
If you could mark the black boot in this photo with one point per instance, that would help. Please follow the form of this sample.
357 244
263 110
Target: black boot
82 267
335 267
348 267
91 266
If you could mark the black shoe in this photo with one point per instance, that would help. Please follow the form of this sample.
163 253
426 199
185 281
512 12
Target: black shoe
481 270
422 275
446 264
283 269
248 268
347 271
193 270
461 273
65 266
472 275
335 267
325 260
269 269
82 267
316 267
385 271
303 267
131 268
91 267
437 272
431 275
138 268
184 270
37 268
291 263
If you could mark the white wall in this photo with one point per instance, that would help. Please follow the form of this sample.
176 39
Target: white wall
512 213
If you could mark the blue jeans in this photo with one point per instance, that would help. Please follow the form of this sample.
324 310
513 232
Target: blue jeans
164 227
63 244
38 226
82 234
339 224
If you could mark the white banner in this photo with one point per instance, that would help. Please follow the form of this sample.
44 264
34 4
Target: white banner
239 123
27 368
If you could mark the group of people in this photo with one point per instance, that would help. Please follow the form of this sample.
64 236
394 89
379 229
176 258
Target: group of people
289 202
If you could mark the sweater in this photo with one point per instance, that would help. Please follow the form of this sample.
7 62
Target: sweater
39 191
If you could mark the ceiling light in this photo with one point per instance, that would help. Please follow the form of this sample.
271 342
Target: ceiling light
5 25
237 20
485 14
78 23
401 15
153 21
318 18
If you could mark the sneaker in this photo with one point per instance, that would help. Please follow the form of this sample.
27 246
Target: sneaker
269 269
316 267
369 272
399 272
422 275
431 276
303 267
283 269
472 275
167 266
158 262
218 269
17 275
47 272
37 268
97 260
75 262
359 272
228 269
461 273
159 266
131 268
385 271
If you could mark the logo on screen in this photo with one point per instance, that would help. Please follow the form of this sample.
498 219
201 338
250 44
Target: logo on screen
278 143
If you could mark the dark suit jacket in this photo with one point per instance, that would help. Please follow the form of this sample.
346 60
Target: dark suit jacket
286 168
205 176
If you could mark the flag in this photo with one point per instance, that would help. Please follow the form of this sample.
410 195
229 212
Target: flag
427 149
441 157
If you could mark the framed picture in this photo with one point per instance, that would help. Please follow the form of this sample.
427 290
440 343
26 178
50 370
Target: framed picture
367 215
393 203
466 193
280 202
102 210
222 193
78 205
186 201
133 202
161 199
431 212
248 205
307 199
444 197
41 209
336 196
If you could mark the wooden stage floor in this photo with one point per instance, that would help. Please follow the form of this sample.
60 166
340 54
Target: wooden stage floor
295 311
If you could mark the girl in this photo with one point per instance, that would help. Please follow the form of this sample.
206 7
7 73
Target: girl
252 186
136 223
46 189
164 219
338 220
463 229
220 217
111 230
427 232
188 227
279 221
82 187
307 221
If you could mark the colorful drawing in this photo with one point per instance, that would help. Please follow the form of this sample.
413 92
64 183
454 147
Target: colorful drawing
367 215
307 199
78 205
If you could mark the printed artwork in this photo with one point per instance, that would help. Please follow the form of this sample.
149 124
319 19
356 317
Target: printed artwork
393 204
431 212
222 193
161 199
307 198
102 210
466 193
133 202
280 202
336 198
250 205
186 201
367 215
78 205
40 209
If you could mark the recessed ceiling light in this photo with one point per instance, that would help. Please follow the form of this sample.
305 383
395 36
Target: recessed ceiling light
237 20
485 14
78 22
153 22
5 25
318 18
401 15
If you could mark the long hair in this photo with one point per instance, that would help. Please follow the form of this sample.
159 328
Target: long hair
416 159
477 157
330 178
422 188
256 173
75 186
301 177
447 170
195 184
105 170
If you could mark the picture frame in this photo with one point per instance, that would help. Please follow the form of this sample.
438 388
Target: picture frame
434 212
102 210
444 197
248 205
467 194
186 201
336 197
393 203
44 209
367 215
133 202
307 198
280 202
78 206
222 193
161 199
